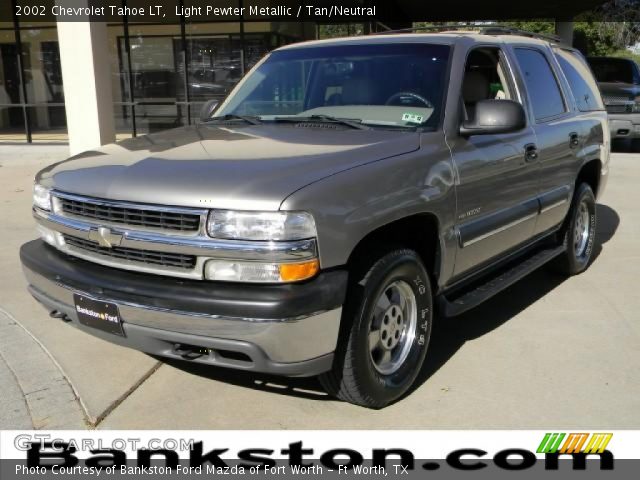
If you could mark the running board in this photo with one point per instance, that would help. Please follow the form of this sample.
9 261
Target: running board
495 283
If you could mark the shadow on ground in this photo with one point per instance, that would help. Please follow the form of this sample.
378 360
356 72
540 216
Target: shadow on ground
447 338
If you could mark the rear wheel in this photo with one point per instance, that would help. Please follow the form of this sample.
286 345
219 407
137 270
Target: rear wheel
386 329
579 232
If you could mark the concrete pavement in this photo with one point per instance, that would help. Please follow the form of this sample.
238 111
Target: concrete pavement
549 352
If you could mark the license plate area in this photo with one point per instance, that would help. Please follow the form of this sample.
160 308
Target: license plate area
98 314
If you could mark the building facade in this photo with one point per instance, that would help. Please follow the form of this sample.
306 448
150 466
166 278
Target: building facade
160 74
126 78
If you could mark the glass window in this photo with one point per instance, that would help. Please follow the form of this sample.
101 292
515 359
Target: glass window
154 60
542 85
389 85
486 77
42 77
120 81
615 70
9 74
214 53
42 71
151 77
152 118
584 88
48 123
12 127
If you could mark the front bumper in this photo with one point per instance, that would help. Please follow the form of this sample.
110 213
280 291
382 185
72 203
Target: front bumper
287 330
624 125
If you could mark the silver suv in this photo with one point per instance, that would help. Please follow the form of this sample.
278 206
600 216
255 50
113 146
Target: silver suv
343 196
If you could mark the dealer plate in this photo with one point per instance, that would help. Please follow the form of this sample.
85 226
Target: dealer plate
98 314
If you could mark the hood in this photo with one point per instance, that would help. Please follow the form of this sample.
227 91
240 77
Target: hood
242 167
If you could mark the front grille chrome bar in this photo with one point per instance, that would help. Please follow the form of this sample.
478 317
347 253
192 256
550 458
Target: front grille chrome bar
169 260
129 215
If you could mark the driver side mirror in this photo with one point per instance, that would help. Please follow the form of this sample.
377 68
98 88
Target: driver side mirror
207 109
495 117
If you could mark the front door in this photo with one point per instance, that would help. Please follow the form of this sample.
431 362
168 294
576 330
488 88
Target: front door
497 175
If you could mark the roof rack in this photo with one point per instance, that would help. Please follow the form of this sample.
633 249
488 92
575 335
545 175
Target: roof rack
504 30
482 29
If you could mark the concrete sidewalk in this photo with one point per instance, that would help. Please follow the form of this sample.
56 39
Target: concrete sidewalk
549 352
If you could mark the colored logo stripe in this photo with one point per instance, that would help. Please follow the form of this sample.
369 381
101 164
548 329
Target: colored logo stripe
574 443
551 442
598 442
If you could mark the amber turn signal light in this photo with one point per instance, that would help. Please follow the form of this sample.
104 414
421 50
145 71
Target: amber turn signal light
295 272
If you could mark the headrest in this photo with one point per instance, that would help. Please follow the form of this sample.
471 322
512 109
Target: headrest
476 87
358 91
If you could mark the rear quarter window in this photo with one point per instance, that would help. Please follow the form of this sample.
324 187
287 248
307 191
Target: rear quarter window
583 84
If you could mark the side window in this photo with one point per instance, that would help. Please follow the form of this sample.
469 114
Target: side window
583 85
542 85
486 77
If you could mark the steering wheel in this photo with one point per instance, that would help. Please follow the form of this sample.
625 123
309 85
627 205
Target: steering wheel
397 96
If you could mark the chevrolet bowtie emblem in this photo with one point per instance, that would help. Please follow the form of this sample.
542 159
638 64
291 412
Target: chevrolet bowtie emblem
105 237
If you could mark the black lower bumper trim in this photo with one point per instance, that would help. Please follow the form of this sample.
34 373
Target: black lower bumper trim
324 292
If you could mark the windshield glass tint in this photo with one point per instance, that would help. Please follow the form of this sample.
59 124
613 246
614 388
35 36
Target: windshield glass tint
393 85
613 70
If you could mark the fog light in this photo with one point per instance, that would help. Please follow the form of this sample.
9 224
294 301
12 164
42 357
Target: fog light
251 272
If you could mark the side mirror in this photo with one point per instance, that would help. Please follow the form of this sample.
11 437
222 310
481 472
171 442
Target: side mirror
207 109
494 117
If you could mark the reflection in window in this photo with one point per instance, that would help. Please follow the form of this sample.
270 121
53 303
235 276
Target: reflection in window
42 78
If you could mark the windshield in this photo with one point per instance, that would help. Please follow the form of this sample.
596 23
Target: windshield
394 85
614 70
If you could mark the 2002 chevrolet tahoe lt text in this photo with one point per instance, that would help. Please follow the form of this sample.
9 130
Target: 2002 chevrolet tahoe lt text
342 195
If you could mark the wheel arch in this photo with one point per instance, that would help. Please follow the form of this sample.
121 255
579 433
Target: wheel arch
419 232
590 173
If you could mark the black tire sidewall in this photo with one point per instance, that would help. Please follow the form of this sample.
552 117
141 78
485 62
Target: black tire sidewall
407 267
577 263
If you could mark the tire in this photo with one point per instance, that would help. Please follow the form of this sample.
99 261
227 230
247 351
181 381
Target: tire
621 145
578 234
374 365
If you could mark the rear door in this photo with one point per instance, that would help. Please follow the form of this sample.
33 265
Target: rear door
558 130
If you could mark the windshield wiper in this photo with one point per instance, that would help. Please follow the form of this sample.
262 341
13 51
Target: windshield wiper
232 116
356 124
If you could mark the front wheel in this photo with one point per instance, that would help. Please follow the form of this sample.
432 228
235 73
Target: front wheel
386 330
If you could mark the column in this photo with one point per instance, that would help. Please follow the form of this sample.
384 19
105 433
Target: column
86 76
565 31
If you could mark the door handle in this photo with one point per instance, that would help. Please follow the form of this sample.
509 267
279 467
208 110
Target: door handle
531 152
574 140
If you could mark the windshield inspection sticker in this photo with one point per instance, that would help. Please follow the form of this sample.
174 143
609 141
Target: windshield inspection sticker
412 118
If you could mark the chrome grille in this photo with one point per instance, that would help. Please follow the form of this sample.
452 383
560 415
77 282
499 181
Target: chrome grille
617 98
129 215
149 257
619 108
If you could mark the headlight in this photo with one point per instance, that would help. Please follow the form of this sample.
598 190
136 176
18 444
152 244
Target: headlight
41 197
267 226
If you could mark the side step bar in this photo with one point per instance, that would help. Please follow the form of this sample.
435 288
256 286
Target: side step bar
494 283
